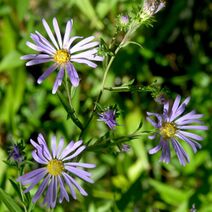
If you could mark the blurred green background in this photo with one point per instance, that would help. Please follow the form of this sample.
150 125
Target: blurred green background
176 52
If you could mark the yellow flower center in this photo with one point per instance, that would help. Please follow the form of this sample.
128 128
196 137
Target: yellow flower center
55 167
62 56
168 130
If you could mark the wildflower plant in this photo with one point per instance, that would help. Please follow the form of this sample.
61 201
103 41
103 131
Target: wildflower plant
57 169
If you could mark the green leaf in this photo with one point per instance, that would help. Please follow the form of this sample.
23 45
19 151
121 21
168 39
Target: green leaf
105 6
22 7
86 7
16 187
11 60
170 194
9 202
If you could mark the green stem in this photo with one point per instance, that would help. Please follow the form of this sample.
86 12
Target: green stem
20 173
102 86
67 90
118 141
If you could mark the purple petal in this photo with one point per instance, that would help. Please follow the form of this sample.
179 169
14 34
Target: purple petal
155 149
41 188
58 80
151 137
175 107
84 61
180 109
194 145
40 150
78 151
191 121
80 173
70 148
166 153
191 135
193 127
78 48
33 46
158 116
34 181
24 179
67 150
37 158
89 55
153 123
50 193
46 42
35 56
47 73
42 143
85 165
53 146
60 147
74 78
188 116
67 33
181 154
44 48
54 193
81 43
57 31
49 32
81 190
63 192
37 61
71 40
67 180
166 107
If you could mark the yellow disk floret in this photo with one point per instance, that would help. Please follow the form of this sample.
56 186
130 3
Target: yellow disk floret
55 167
62 56
168 130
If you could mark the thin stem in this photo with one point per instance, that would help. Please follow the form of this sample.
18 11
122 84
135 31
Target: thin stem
20 172
103 83
67 89
68 105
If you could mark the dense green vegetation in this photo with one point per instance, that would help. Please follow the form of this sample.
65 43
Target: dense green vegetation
172 52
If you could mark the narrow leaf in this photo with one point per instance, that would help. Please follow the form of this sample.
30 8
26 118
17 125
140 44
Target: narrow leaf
9 202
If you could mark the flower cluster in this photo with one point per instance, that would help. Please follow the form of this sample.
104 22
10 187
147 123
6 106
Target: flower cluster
172 128
58 169
59 164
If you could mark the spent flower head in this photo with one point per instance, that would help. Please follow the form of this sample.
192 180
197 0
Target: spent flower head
58 169
151 7
62 52
172 128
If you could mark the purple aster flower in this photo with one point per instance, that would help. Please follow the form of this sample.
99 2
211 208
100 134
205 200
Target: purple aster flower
172 128
62 53
56 171
109 117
